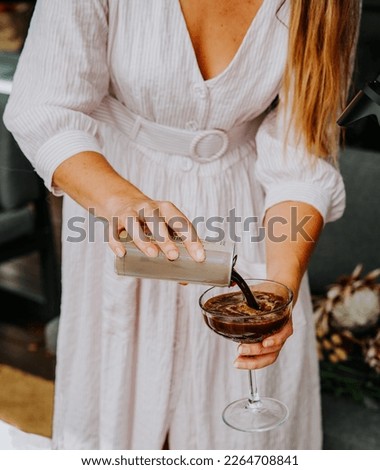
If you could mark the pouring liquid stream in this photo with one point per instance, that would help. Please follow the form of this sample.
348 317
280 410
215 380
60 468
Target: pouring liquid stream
249 297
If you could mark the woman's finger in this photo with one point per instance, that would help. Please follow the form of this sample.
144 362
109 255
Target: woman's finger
180 224
134 229
116 246
271 344
256 349
157 226
280 337
255 362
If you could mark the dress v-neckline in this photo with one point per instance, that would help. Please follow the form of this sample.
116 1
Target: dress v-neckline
242 46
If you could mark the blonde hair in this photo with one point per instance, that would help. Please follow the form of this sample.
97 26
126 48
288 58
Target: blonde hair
322 42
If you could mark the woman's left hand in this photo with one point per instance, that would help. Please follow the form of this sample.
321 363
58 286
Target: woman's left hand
258 355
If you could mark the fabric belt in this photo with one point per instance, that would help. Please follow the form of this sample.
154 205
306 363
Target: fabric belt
203 146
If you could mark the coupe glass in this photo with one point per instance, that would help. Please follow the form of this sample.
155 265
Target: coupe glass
253 413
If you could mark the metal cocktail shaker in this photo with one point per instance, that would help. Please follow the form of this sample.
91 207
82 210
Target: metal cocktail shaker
215 270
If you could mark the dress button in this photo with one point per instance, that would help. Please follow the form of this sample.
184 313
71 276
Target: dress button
192 126
200 91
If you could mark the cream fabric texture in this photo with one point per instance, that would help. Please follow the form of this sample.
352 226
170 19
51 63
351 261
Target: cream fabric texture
135 358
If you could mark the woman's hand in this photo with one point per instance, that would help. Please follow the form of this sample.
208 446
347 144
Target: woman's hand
265 353
90 180
258 355
286 263
136 212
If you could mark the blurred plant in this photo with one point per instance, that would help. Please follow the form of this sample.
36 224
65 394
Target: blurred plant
347 319
14 23
372 352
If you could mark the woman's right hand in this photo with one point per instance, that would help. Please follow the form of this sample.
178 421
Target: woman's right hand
90 180
136 212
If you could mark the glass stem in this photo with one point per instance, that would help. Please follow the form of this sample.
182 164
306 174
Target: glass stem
254 397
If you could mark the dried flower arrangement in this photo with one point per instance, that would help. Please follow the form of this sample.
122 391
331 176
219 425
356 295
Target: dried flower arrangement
347 321
14 23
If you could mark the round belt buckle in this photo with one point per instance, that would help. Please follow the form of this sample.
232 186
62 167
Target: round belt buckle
219 134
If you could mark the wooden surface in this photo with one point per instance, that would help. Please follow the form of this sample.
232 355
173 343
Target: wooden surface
26 401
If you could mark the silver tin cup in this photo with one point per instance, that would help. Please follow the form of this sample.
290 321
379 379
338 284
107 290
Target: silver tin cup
214 271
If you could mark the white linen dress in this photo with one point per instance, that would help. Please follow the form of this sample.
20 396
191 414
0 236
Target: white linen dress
135 359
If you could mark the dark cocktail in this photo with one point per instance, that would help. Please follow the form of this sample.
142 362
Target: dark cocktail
226 312
231 317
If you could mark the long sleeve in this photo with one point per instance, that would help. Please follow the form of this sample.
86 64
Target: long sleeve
291 174
61 77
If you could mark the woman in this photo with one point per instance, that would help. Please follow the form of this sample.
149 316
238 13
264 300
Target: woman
102 95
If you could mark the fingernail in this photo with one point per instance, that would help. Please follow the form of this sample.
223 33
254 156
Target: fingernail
200 255
243 349
120 252
173 254
238 364
151 252
268 343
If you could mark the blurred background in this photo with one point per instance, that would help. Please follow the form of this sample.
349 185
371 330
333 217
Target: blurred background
344 272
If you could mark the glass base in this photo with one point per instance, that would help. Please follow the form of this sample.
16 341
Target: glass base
263 415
